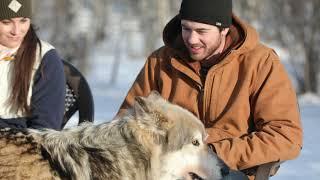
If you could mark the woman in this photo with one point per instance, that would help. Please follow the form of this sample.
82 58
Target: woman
32 82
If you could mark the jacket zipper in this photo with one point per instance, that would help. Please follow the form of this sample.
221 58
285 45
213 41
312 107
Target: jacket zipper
201 103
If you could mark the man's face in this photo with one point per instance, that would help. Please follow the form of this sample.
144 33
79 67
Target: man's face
202 40
13 31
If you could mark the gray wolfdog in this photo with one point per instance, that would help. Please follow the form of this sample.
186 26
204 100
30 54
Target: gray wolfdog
154 140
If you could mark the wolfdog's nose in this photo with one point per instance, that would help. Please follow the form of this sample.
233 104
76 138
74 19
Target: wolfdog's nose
225 171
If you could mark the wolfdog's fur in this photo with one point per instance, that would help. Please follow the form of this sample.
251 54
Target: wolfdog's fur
154 140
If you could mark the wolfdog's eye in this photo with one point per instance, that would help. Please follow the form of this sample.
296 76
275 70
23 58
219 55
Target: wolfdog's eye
195 142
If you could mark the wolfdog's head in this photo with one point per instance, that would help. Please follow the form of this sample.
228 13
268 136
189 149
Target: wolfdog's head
177 140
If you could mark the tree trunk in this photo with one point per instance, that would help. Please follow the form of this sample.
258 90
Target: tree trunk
311 69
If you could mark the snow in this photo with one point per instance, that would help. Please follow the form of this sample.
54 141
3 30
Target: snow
108 98
309 99
307 165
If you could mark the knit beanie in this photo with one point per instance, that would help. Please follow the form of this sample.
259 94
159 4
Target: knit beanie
15 8
213 12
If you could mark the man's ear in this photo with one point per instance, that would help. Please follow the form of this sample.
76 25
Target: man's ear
225 31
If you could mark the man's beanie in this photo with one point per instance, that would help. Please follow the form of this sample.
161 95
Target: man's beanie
15 8
213 12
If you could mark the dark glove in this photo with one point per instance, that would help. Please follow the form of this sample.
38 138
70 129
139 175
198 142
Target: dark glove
226 172
235 175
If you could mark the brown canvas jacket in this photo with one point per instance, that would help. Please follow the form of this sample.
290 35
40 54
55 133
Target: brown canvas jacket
247 102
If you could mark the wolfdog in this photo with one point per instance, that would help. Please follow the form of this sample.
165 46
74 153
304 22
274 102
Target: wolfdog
154 140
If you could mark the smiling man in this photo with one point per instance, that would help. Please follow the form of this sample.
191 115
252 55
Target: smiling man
214 65
202 40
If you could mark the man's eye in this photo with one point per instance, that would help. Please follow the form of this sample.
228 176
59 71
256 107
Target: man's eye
202 32
195 142
5 22
185 29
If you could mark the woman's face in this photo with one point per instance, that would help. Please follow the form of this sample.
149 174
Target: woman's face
13 31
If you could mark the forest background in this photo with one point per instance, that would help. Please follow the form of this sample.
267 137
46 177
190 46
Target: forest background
134 27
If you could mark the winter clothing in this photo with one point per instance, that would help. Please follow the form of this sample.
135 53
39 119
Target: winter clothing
15 8
243 96
46 93
213 12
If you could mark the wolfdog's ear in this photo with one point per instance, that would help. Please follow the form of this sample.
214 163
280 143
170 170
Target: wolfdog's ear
140 105
154 94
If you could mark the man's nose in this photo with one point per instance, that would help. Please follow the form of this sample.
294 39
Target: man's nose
193 38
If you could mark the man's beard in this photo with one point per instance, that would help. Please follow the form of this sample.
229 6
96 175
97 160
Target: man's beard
207 51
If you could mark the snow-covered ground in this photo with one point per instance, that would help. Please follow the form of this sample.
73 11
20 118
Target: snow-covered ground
108 99
307 165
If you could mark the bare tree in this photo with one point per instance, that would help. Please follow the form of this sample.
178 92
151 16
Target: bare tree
74 27
299 30
294 25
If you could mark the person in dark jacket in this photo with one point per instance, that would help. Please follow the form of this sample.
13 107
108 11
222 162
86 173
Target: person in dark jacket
214 65
32 81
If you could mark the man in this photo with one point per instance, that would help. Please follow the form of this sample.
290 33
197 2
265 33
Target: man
214 65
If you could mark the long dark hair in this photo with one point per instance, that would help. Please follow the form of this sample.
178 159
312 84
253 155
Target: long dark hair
22 71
